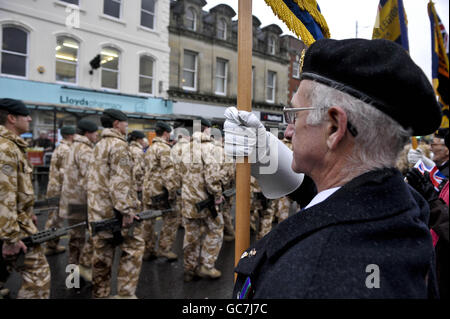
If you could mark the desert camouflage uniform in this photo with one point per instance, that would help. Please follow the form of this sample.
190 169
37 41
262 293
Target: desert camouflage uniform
201 176
111 185
261 210
227 170
138 156
16 210
161 175
74 198
176 154
55 181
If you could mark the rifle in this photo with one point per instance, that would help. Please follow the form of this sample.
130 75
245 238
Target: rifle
115 224
42 206
210 202
162 199
41 237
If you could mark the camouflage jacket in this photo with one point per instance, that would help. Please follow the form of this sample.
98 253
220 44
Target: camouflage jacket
16 189
160 171
110 178
138 156
227 166
56 175
74 189
176 154
201 173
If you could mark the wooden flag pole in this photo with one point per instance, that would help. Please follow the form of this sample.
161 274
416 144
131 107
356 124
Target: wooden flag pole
244 102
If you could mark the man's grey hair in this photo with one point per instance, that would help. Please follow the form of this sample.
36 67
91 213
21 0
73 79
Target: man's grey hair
380 138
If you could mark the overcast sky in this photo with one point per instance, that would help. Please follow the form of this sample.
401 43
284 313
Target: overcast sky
341 16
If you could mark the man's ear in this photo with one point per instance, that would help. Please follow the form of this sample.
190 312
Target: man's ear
11 118
337 126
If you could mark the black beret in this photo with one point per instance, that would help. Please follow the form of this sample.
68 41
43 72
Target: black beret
13 106
116 114
163 126
67 130
137 134
379 72
87 126
206 122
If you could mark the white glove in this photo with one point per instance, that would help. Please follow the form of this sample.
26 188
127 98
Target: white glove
270 158
415 155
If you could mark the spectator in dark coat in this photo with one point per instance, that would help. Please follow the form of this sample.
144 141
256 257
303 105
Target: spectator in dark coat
365 234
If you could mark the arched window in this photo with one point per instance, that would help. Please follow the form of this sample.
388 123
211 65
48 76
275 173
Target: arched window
191 19
146 74
14 51
109 61
272 45
222 29
66 55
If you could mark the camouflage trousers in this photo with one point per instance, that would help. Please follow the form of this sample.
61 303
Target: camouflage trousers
53 220
80 249
130 262
281 208
227 219
35 273
261 216
203 239
149 236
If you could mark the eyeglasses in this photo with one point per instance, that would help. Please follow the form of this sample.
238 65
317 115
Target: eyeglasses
290 115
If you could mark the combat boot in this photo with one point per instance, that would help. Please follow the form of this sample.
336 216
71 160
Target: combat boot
170 255
85 273
212 273
49 251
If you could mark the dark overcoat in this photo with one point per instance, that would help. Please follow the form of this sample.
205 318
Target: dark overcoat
367 240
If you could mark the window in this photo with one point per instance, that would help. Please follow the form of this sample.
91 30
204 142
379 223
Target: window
14 52
271 81
272 44
221 76
66 54
148 13
76 2
191 19
109 61
189 81
112 8
222 29
146 75
296 70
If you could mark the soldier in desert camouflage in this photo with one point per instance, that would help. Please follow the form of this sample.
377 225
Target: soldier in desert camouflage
201 177
161 177
136 141
112 193
74 195
16 202
55 181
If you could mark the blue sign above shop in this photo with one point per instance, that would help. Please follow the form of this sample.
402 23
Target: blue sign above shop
40 92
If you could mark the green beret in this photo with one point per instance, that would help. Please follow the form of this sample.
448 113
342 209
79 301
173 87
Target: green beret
87 126
67 130
13 106
137 134
206 122
379 72
116 114
163 126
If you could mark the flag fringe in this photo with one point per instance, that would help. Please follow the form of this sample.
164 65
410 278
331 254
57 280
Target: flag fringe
311 7
281 10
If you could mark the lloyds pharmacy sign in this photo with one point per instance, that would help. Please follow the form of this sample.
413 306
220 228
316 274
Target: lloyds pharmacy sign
64 99
272 117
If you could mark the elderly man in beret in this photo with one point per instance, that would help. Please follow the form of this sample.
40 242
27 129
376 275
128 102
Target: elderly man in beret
73 204
111 193
55 181
160 179
16 202
364 234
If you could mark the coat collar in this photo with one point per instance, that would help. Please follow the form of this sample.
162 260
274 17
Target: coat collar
358 200
83 139
112 132
20 142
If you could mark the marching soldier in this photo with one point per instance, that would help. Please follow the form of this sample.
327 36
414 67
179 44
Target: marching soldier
16 202
160 190
201 177
111 193
55 182
74 195
136 140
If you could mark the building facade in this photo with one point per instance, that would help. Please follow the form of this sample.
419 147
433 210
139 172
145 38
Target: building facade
294 48
203 63
69 59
